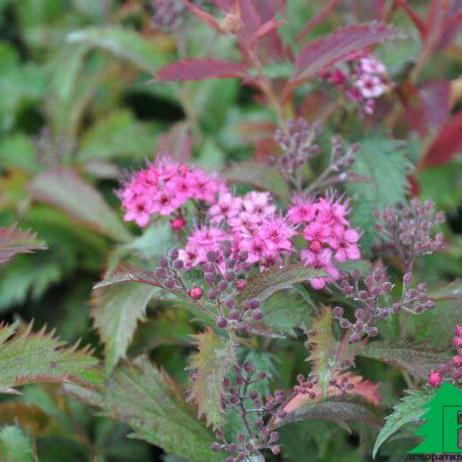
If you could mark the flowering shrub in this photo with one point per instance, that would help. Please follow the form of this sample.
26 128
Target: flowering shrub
247 195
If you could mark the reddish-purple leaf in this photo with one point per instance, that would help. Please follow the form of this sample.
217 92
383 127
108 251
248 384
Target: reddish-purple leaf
322 53
201 69
446 145
268 27
13 241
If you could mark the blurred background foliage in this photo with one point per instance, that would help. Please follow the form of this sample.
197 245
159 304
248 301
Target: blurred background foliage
78 107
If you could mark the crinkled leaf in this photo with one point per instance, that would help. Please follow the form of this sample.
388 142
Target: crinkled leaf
377 155
264 284
28 357
200 69
322 345
284 312
66 190
15 445
339 409
416 360
210 363
123 43
410 409
321 53
150 403
116 312
13 241
259 176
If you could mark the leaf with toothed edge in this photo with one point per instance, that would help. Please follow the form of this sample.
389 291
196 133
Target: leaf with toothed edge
264 284
410 409
211 361
148 401
13 241
322 345
116 313
30 357
322 53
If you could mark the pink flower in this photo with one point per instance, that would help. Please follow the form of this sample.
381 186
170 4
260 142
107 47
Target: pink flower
278 234
226 208
301 212
164 187
320 260
370 86
459 331
435 379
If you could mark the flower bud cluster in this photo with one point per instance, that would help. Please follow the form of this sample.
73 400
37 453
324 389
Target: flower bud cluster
168 14
452 370
372 294
255 411
224 277
409 230
310 385
298 145
362 78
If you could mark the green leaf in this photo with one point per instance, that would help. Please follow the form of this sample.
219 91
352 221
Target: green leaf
377 155
283 312
13 241
410 409
322 347
66 190
414 359
259 176
339 410
117 135
15 445
435 328
18 151
123 43
211 361
264 284
28 357
116 312
150 403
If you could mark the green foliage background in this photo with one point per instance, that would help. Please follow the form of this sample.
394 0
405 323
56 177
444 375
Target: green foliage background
77 109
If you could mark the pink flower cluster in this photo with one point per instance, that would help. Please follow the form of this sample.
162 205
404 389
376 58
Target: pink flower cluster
164 187
451 370
362 78
250 223
328 233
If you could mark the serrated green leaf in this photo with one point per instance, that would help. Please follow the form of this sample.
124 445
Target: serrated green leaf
322 347
123 43
211 361
259 176
283 312
339 410
264 284
13 242
408 410
377 155
115 136
71 193
116 313
29 357
150 403
414 359
15 445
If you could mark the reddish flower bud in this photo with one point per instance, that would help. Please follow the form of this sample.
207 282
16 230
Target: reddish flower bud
434 379
195 293
177 224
